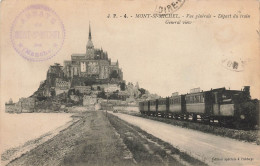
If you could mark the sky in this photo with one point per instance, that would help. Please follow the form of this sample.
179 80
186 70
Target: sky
163 58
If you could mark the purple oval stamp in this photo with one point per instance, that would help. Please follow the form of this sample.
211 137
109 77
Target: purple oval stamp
37 33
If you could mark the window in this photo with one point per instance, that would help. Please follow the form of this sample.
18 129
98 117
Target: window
172 101
197 99
177 100
202 100
193 99
162 102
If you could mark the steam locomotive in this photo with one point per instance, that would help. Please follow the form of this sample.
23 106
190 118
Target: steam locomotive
233 108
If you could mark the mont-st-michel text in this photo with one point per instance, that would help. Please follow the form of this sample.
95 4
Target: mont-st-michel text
188 18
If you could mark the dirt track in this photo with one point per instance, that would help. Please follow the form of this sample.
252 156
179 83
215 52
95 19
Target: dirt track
214 150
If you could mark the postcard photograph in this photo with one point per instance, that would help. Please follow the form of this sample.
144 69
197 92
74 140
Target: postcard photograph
128 82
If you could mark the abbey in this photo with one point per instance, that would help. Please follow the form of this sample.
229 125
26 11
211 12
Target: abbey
92 64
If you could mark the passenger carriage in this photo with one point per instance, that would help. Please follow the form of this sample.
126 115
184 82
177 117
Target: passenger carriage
177 106
152 107
145 106
141 107
198 104
163 106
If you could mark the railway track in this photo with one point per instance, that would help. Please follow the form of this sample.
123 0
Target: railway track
214 128
201 120
206 147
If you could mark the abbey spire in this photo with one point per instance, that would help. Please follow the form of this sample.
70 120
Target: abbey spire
89 33
90 45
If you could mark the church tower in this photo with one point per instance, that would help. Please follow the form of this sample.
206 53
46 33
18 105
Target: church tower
90 46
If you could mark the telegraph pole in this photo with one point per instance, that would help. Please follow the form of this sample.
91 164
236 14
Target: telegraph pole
107 99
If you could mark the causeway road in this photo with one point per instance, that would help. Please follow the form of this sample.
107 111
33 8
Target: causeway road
212 149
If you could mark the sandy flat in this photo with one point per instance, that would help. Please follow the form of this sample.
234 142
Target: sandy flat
16 129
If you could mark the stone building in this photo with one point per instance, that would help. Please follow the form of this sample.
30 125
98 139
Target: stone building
10 107
26 104
111 88
55 71
93 63
83 89
61 86
23 105
89 100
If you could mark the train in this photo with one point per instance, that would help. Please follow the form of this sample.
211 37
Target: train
231 108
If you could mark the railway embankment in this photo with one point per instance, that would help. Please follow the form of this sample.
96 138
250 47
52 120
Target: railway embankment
209 148
252 136
148 149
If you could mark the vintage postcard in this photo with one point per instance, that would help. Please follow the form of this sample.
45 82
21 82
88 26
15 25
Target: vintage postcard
129 82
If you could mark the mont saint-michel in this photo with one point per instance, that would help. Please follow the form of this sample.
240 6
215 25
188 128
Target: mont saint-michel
88 79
